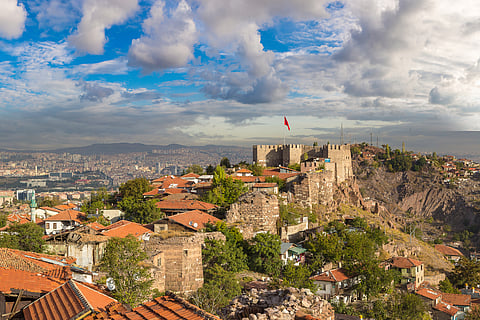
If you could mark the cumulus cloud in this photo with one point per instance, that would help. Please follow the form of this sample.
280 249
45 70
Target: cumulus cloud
168 40
95 92
55 14
12 19
98 16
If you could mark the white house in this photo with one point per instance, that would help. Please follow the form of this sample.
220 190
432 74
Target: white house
65 220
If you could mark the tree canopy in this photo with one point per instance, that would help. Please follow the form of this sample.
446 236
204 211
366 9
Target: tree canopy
225 190
122 263
264 254
25 236
135 188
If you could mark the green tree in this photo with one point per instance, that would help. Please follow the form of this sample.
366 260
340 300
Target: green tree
466 272
297 276
49 202
122 261
3 219
474 314
224 254
225 163
225 190
218 291
139 210
447 286
195 168
210 169
135 188
294 166
101 199
257 170
25 236
264 253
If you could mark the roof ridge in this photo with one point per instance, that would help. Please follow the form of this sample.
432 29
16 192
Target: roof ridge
79 294
191 306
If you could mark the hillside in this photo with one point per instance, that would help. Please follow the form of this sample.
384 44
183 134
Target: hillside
439 210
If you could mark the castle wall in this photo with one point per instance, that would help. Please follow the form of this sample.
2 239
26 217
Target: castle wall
254 212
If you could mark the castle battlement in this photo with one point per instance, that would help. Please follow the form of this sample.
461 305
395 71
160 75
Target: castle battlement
287 154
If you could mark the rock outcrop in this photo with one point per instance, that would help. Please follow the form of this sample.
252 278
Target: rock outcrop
280 304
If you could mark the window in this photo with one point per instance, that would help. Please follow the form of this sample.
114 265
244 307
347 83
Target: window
159 262
54 225
47 225
185 253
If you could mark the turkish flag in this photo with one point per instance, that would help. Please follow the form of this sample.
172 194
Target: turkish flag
285 122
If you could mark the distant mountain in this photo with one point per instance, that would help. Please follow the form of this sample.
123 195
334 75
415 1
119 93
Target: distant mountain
117 148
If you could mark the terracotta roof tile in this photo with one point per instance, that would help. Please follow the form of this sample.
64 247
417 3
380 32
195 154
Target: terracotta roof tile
194 219
405 263
448 251
336 275
29 261
281 175
457 299
429 293
265 185
446 308
123 228
68 215
185 205
71 300
191 175
162 308
13 279
249 179
243 170
95 225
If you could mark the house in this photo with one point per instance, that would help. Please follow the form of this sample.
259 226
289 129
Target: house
189 221
243 173
292 252
412 271
193 177
26 276
265 186
123 228
84 243
171 207
166 307
450 253
335 282
202 188
461 301
72 300
445 311
65 220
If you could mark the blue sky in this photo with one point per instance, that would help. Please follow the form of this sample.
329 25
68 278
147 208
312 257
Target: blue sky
225 72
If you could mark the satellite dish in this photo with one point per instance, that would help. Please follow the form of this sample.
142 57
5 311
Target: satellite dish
195 225
110 284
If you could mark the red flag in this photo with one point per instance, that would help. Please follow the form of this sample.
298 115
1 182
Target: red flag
285 122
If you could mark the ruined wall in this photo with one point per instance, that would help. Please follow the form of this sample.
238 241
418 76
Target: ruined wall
294 233
254 212
180 268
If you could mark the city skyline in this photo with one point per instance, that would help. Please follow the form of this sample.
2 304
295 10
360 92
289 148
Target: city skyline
227 72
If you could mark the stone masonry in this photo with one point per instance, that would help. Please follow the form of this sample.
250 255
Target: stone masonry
177 261
254 212
281 304
337 158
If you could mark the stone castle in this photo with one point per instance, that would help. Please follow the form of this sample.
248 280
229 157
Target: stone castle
331 157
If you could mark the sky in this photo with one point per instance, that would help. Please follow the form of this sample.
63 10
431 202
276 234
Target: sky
227 72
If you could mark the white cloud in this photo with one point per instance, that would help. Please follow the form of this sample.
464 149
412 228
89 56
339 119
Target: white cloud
12 19
99 15
168 40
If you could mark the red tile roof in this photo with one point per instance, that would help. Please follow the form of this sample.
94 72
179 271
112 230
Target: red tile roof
153 192
63 207
168 307
191 175
243 170
72 300
336 275
446 308
123 228
265 185
30 261
448 251
175 182
68 215
405 263
457 299
50 209
203 185
429 293
249 179
95 225
281 175
185 205
194 219
29 281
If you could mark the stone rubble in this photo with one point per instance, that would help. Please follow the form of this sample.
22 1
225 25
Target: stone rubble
279 304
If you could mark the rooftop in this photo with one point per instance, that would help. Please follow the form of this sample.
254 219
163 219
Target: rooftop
405 263
123 228
194 219
448 251
336 275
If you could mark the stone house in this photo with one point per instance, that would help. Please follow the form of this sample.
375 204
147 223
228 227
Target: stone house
412 271
266 186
